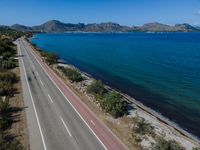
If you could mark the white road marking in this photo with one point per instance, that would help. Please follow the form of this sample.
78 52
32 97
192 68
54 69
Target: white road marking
41 82
36 114
50 98
65 126
37 73
69 101
92 122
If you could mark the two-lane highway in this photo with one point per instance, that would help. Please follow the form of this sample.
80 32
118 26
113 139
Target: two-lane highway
56 117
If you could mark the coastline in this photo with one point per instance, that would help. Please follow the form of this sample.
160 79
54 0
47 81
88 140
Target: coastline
139 105
144 110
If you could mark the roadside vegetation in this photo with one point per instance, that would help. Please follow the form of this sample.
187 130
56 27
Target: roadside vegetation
142 127
9 33
50 58
96 88
110 101
8 79
72 74
163 144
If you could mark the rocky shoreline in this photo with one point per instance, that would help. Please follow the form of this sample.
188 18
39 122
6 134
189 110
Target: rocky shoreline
161 124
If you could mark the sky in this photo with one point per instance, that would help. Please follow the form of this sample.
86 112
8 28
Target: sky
125 12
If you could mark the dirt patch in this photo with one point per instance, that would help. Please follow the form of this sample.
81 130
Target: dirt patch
19 128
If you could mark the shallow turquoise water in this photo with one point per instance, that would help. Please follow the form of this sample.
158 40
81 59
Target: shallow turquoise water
160 70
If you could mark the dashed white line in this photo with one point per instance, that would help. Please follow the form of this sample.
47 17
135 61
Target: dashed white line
38 122
41 82
34 55
50 98
92 122
65 126
37 73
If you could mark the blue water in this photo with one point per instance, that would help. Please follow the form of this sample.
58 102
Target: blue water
160 70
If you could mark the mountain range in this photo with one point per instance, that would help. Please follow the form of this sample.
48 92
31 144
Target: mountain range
57 26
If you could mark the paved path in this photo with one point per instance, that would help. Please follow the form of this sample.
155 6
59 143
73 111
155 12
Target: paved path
56 118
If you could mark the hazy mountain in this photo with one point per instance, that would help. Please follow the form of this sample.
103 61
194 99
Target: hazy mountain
158 27
185 27
155 27
197 27
19 27
107 27
57 26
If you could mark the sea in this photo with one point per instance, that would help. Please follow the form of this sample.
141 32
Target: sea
161 70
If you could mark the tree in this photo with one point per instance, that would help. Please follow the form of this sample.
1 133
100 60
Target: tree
96 87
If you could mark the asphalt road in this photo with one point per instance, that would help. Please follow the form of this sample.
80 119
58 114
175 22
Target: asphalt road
56 118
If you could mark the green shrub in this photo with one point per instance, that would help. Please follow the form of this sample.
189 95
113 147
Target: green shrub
8 142
4 122
50 58
163 144
71 74
113 104
142 127
96 87
6 89
6 48
8 77
4 105
8 64
196 148
7 54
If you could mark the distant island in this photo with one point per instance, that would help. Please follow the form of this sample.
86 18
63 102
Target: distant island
55 26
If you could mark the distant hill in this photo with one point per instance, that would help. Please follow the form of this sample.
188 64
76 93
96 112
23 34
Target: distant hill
20 27
107 27
57 26
186 27
158 27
